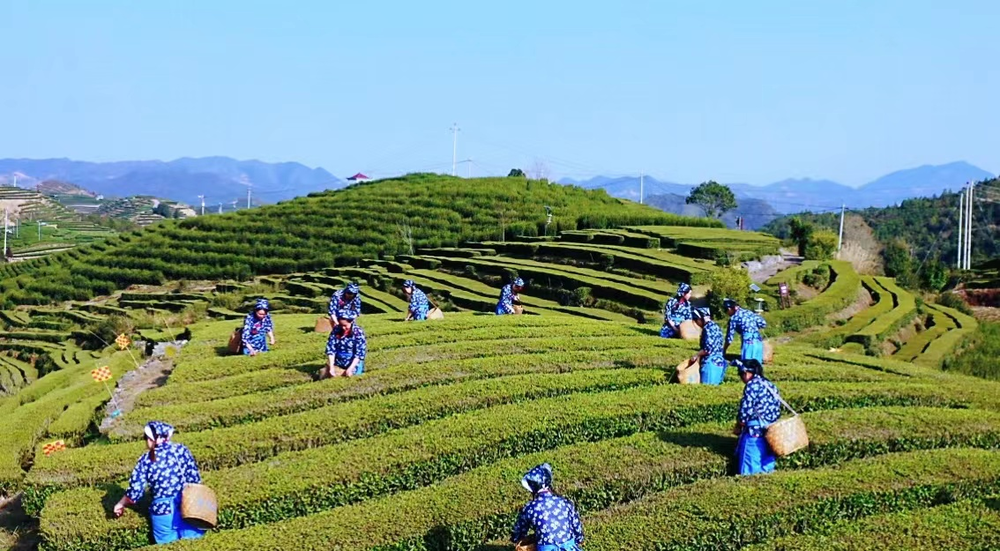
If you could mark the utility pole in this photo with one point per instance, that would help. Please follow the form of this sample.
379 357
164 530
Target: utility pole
961 229
641 185
5 233
249 185
39 230
234 203
840 239
202 197
968 224
220 208
454 147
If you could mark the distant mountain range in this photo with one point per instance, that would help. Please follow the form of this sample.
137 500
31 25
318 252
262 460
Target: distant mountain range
788 196
220 179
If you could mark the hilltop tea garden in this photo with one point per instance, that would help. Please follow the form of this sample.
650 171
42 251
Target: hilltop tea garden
425 450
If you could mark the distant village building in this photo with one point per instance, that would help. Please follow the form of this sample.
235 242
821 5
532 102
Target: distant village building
359 177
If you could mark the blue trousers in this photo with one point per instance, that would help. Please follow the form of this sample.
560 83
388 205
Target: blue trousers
565 546
753 455
420 315
344 365
713 370
753 350
171 527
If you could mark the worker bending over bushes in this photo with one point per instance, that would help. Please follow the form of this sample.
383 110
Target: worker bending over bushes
256 327
165 467
348 298
346 348
509 297
759 408
676 311
748 325
419 305
554 518
713 361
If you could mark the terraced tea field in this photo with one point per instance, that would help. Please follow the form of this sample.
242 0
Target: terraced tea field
60 230
425 450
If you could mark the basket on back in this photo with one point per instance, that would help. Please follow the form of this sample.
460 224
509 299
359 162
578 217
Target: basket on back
690 331
323 325
788 435
199 506
236 341
688 372
435 314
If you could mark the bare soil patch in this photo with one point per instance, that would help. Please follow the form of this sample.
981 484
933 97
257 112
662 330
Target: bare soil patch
151 374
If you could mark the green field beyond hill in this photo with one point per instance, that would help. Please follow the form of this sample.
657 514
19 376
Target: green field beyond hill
425 450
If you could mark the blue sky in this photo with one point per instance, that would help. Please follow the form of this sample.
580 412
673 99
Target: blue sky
732 90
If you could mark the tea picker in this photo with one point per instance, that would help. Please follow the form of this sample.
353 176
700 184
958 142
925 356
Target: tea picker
676 311
181 508
748 325
510 302
711 356
553 518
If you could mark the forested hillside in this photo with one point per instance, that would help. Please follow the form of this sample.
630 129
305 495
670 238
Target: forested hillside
926 228
370 220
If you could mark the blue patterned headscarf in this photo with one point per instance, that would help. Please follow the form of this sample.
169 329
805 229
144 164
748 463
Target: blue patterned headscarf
353 288
158 431
703 313
683 289
262 304
518 282
749 366
408 283
538 478
346 314
729 303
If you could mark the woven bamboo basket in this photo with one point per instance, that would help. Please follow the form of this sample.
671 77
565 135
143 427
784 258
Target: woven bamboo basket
435 314
689 373
690 330
323 325
768 352
199 506
236 341
527 544
787 436
518 309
